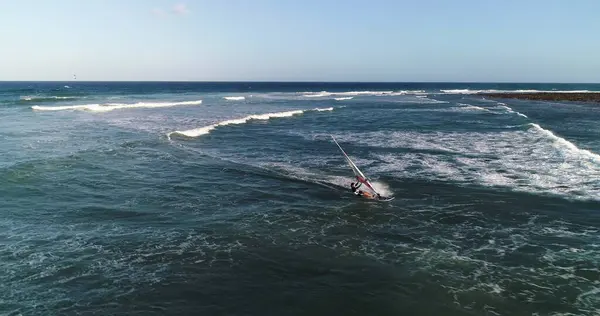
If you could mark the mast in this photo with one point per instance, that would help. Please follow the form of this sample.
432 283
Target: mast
359 175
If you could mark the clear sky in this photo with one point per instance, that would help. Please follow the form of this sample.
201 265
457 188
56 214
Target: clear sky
314 40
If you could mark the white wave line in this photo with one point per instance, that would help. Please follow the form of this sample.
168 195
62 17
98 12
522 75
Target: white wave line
567 144
234 98
358 93
510 110
113 106
472 107
33 98
207 129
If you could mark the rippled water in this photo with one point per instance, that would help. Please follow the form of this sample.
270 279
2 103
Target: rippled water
231 198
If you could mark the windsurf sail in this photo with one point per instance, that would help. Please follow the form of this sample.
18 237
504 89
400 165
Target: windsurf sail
359 175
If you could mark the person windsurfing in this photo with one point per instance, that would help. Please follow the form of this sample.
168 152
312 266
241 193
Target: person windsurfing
354 187
360 177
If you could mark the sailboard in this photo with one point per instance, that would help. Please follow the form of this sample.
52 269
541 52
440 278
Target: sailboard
373 194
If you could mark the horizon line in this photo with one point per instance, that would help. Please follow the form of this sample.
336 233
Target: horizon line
302 81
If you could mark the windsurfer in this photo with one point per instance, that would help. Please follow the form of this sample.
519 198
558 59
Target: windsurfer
354 187
360 179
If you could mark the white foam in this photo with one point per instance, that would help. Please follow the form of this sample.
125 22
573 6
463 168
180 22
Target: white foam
325 179
510 110
33 98
460 91
417 100
359 93
318 94
428 101
234 98
533 160
382 188
196 132
338 96
114 106
366 93
469 107
567 145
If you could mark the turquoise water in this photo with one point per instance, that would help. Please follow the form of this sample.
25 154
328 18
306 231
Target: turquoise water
231 198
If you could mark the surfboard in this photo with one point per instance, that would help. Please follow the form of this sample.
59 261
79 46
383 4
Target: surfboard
361 176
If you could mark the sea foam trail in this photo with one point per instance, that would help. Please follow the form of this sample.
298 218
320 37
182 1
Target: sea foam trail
114 106
196 132
234 98
563 143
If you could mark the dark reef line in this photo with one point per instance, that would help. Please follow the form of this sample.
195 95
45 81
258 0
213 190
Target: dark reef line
548 96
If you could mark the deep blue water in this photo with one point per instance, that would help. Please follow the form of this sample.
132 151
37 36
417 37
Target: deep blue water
231 199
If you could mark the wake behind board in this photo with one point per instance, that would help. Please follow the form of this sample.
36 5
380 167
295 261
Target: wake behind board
362 178
380 198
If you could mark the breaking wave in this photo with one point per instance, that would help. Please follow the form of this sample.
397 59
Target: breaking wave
510 110
234 98
113 106
469 107
567 145
530 159
359 93
207 129
30 98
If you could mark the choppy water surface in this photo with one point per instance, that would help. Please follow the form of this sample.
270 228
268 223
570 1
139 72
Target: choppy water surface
231 198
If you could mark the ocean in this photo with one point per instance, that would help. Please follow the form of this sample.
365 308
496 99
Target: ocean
198 198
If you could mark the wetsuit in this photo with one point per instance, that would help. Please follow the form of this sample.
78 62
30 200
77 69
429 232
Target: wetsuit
355 188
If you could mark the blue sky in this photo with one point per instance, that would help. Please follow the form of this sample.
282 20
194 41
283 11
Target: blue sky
308 40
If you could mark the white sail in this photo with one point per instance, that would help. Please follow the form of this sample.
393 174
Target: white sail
359 175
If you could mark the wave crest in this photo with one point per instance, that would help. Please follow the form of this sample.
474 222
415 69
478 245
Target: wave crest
113 106
510 110
565 144
196 132
52 98
359 93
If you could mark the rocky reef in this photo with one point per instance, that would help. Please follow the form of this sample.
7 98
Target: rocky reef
548 96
